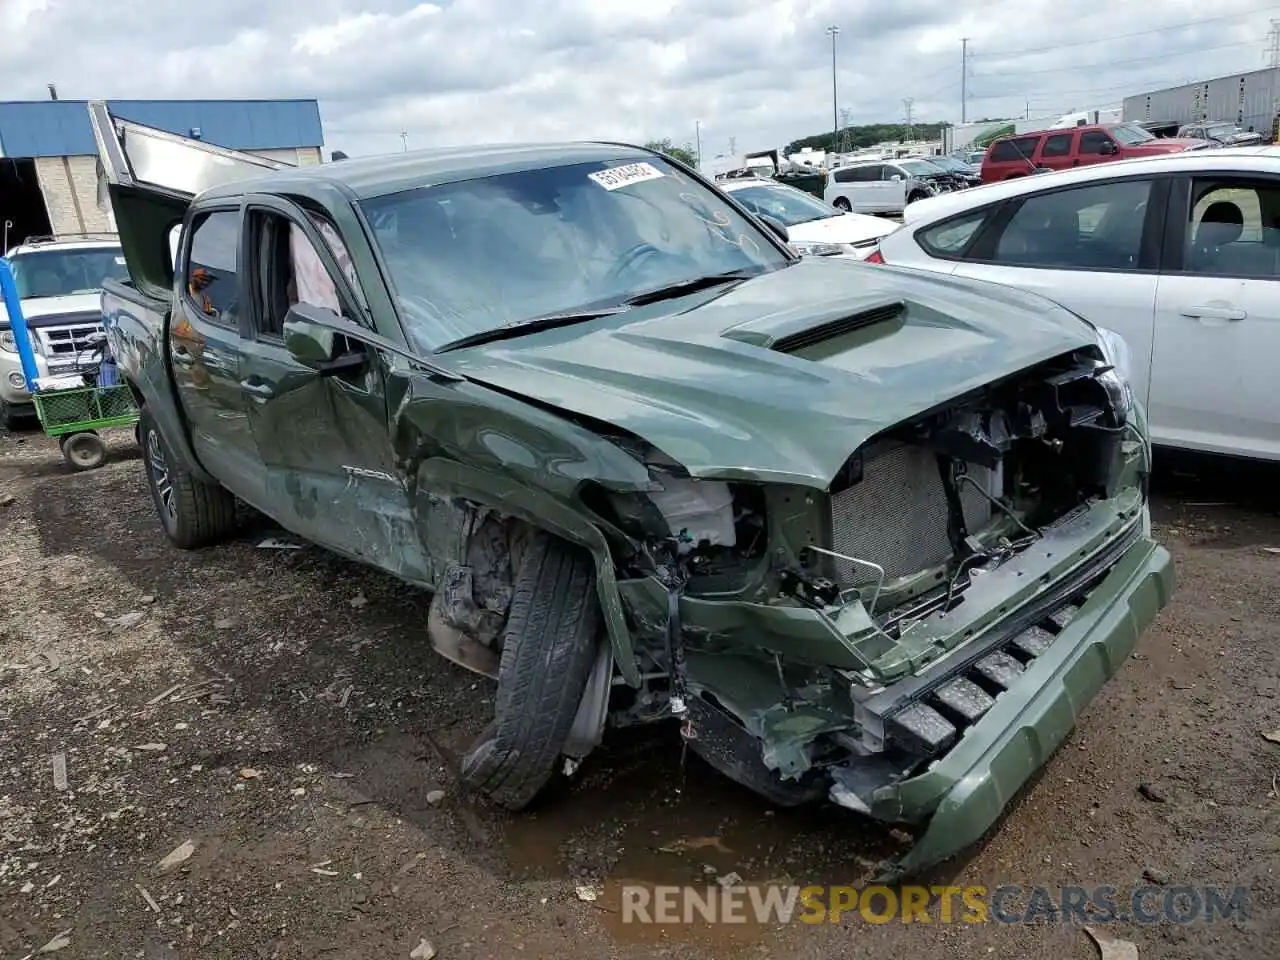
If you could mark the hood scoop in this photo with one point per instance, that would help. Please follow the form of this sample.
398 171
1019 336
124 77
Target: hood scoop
830 329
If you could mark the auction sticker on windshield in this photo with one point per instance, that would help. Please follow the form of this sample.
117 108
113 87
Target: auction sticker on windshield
628 173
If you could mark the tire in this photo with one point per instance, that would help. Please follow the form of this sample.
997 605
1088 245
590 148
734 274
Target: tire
192 513
83 451
842 203
15 418
549 647
916 196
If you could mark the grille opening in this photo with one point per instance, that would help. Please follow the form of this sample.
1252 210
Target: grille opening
835 328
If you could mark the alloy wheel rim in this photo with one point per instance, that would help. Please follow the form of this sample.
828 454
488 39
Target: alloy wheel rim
160 475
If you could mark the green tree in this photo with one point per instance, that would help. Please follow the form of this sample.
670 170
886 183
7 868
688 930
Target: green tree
868 135
684 154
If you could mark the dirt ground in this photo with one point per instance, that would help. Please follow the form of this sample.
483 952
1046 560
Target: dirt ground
278 716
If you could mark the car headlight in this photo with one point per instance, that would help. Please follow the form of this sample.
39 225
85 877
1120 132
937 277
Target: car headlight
1115 352
812 248
7 343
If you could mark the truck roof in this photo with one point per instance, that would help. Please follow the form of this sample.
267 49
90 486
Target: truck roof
391 173
32 245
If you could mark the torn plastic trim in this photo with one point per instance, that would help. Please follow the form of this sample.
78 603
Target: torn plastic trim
963 794
451 478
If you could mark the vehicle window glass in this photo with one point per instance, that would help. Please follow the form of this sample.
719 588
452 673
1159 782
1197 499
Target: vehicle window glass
1131 133
1017 148
211 265
787 205
295 272
950 237
1234 230
1091 141
478 254
64 271
1094 228
1058 145
862 173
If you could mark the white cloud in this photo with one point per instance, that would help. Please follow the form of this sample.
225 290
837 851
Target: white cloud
498 70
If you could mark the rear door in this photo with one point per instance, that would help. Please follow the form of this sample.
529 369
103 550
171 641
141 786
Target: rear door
205 337
1094 248
1057 151
1217 323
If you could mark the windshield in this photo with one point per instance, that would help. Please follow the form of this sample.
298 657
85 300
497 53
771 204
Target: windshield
480 254
1216 130
921 168
1130 133
60 273
785 204
950 163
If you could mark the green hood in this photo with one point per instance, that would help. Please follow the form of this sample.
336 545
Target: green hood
700 378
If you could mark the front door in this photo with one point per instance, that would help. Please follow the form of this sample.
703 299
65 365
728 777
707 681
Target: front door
204 347
1092 248
1217 331
323 437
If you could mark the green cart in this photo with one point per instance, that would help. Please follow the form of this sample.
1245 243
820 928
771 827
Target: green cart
76 415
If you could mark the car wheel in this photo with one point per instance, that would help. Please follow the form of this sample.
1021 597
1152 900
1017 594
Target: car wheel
12 418
192 512
916 196
549 646
842 203
84 451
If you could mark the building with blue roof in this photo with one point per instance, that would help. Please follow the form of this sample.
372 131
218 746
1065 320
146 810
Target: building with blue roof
48 160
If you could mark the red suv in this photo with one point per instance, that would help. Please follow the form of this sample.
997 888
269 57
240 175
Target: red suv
1062 148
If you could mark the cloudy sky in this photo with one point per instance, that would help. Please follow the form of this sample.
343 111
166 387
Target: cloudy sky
758 71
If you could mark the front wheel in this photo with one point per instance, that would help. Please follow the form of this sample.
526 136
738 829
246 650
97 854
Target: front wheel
842 203
549 647
192 512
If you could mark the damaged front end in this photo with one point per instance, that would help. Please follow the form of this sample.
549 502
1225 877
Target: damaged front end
913 642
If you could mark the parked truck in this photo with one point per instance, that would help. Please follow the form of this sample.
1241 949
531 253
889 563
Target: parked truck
859 534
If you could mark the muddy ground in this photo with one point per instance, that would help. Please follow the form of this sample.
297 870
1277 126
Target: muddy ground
280 710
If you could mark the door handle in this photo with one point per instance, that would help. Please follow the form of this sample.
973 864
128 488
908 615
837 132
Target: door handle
257 389
1207 312
183 356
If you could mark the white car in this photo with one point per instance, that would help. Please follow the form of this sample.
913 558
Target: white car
814 228
886 186
1179 254
58 283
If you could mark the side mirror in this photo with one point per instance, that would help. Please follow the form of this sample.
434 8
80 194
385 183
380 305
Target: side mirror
312 342
896 177
776 226
1108 148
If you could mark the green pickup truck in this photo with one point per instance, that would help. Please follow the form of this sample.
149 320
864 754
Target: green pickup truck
861 535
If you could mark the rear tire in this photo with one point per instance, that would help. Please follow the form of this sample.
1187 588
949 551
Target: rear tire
192 512
549 647
83 451
841 203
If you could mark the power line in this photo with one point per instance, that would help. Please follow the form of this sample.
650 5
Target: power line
1137 33
1116 63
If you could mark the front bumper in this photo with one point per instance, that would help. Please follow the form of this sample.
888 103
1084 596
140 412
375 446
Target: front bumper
963 794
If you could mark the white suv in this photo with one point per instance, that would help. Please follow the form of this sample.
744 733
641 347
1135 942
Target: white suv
59 285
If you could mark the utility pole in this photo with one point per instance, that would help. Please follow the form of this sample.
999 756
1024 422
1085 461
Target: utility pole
1273 45
733 146
404 139
846 138
906 103
697 136
964 79
834 31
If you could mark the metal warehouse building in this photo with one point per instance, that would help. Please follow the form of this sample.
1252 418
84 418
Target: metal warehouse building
1248 99
48 160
